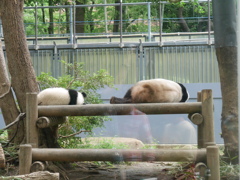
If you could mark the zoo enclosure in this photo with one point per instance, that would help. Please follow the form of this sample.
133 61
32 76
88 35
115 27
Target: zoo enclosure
187 57
200 113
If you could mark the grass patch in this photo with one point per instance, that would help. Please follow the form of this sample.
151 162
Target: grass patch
102 144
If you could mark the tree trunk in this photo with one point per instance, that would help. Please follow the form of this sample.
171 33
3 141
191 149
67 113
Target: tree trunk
80 17
51 25
7 101
182 21
225 33
90 18
227 62
125 23
67 15
43 17
116 18
19 63
20 67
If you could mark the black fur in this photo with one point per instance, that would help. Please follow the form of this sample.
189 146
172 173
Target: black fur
73 96
184 93
128 94
84 94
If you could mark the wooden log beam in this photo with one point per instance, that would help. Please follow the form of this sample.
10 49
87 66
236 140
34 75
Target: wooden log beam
40 175
37 166
44 122
119 109
201 169
196 118
71 155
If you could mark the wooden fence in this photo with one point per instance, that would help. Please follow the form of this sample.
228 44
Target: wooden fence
200 113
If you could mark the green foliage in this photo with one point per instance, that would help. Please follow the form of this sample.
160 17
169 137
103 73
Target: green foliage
3 136
229 171
76 142
11 151
134 17
102 144
84 82
89 144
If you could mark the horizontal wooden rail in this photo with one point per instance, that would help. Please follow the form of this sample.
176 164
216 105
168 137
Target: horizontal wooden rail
45 122
119 109
71 155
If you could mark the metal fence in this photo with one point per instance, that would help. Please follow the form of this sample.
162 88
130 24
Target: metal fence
187 57
186 64
146 24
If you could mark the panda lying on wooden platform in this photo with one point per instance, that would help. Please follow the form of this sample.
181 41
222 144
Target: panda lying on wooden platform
60 96
154 91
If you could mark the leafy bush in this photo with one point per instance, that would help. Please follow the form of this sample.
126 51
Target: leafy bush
83 81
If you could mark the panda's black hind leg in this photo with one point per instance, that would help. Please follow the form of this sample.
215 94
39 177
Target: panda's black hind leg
115 100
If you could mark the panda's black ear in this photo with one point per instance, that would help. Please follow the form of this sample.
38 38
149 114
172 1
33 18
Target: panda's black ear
84 94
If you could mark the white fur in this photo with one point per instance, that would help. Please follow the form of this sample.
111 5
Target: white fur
57 96
163 91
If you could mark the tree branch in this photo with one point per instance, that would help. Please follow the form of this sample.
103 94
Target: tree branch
4 94
20 117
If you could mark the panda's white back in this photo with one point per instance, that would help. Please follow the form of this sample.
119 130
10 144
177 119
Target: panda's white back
163 91
54 96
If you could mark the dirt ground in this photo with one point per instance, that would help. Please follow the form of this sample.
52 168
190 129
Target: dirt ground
124 171
114 171
106 170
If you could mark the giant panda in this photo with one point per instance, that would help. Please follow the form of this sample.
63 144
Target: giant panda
60 96
154 91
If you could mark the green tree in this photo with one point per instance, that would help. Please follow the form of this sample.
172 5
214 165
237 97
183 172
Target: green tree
88 83
184 16
179 17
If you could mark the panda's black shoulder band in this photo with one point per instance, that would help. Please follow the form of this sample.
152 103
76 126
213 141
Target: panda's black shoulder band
84 94
184 93
73 96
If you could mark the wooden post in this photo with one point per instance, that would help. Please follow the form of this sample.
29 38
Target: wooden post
200 126
207 131
213 162
31 118
25 159
2 158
